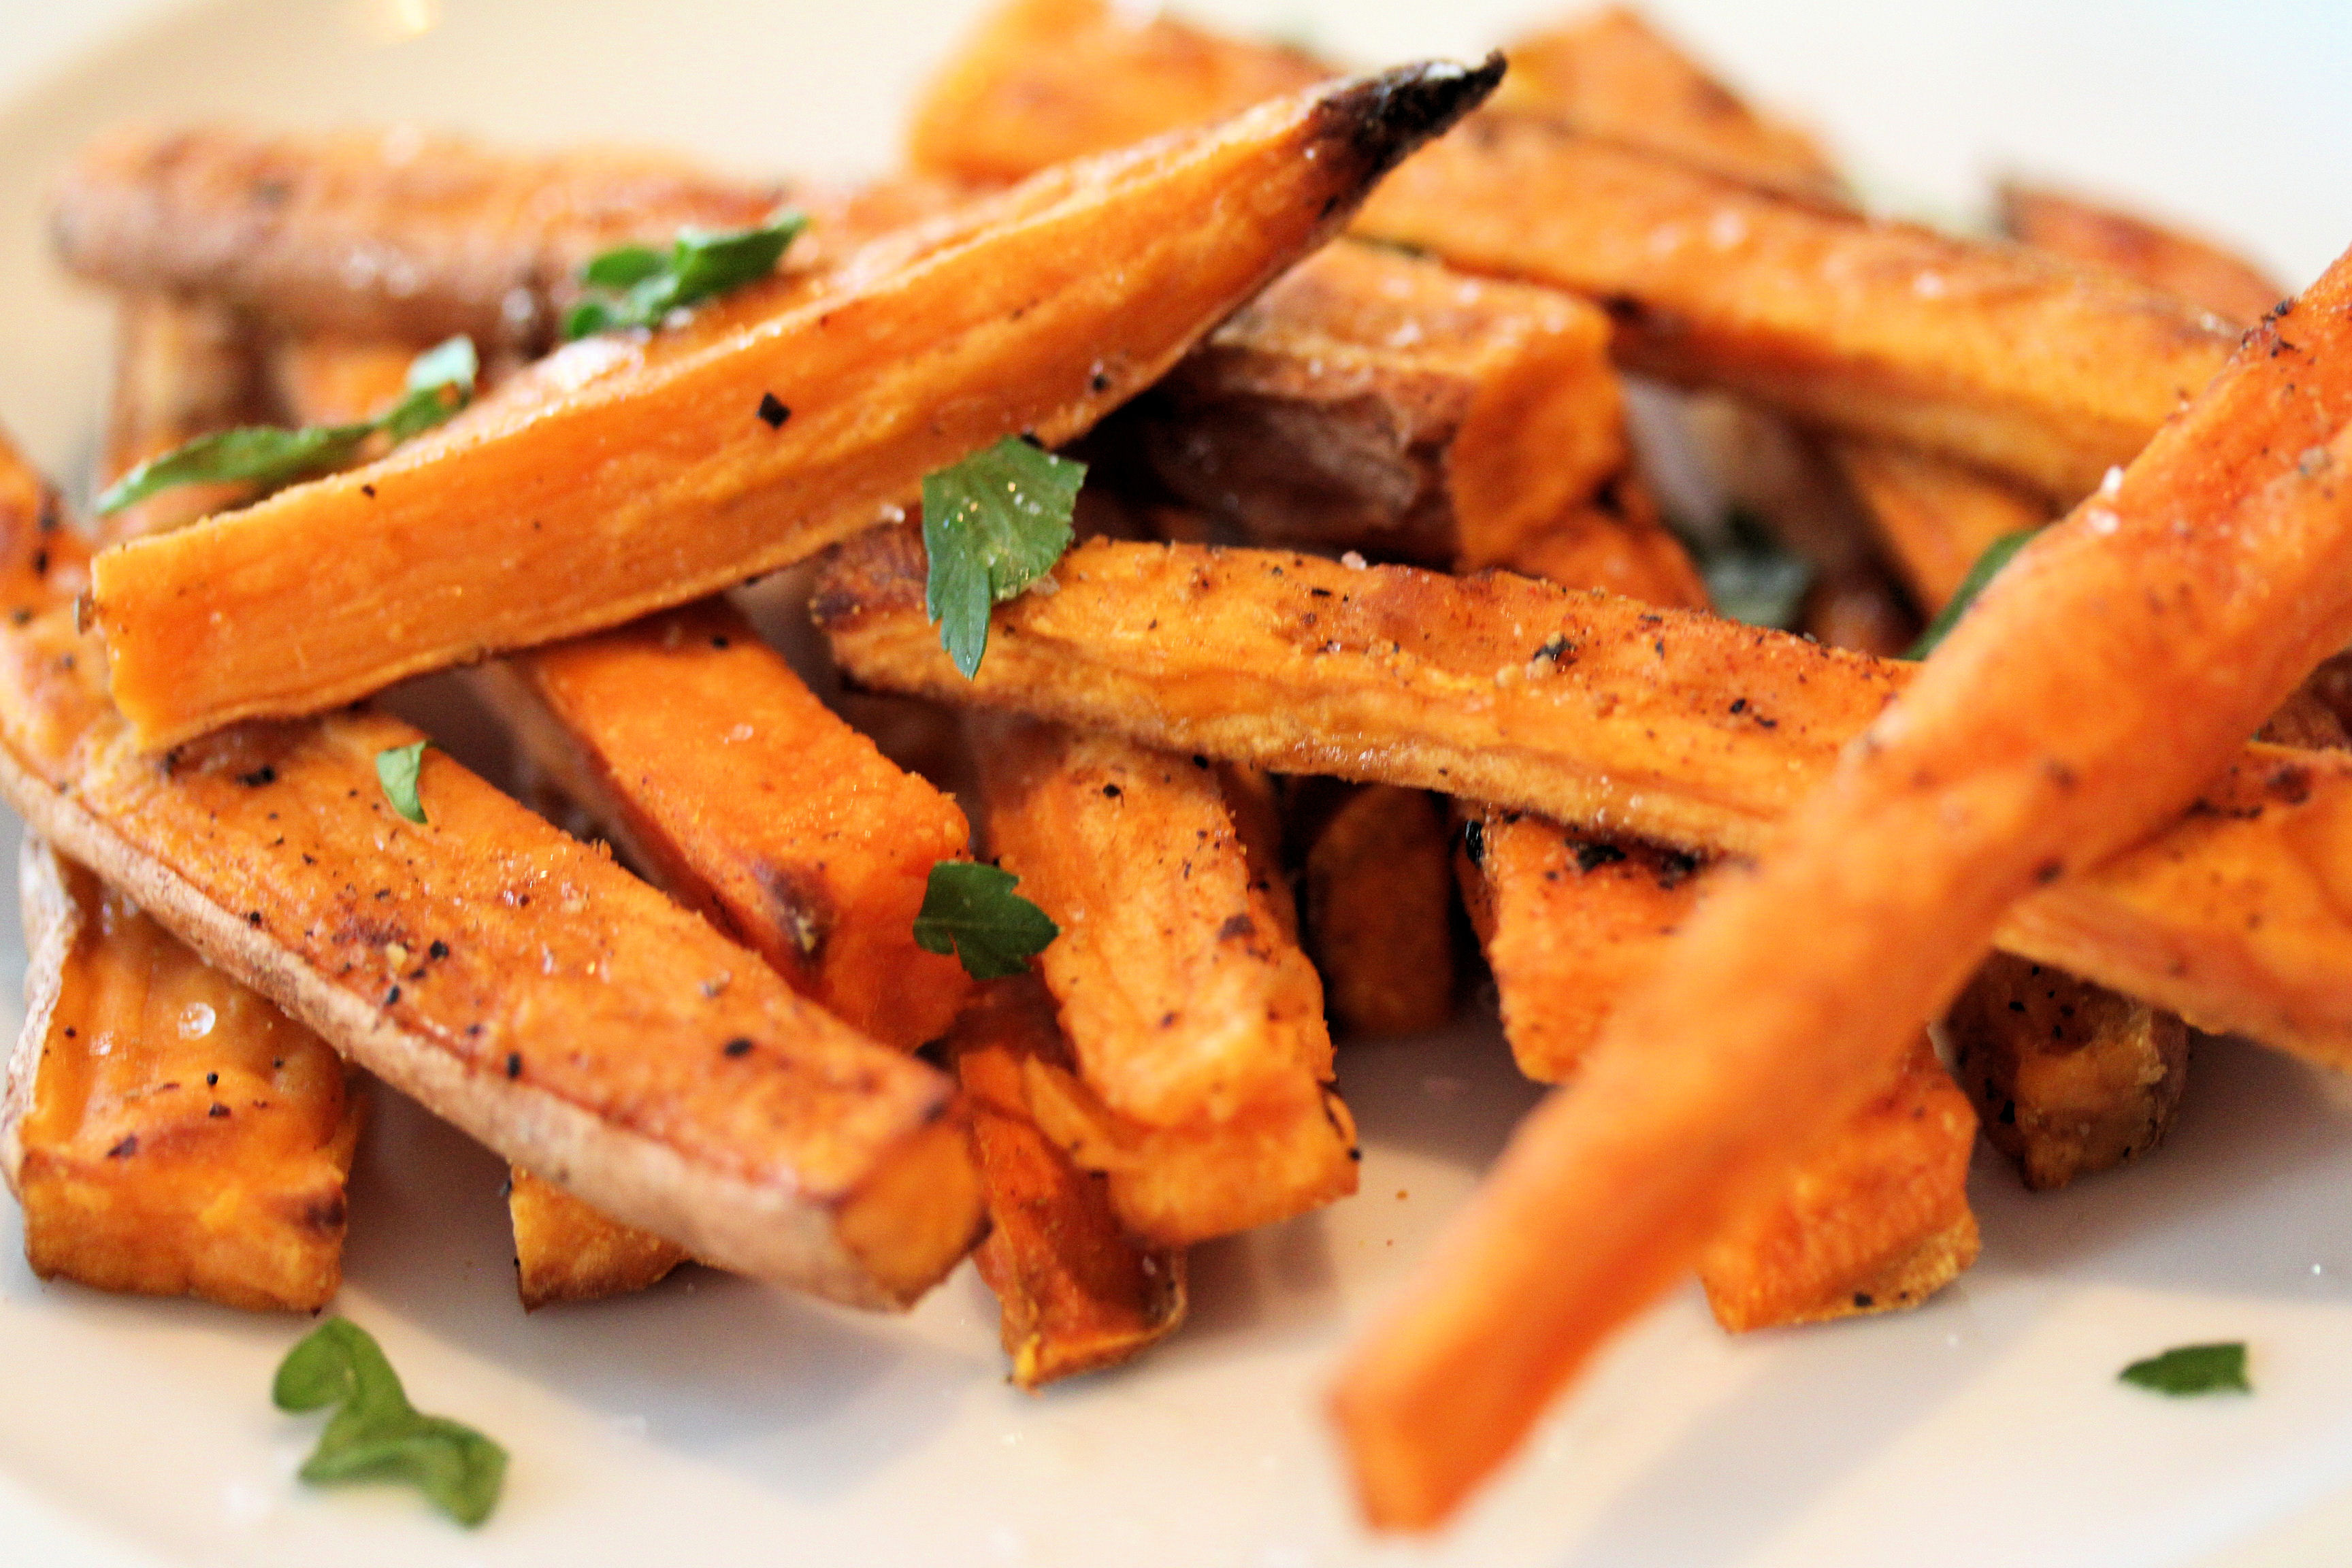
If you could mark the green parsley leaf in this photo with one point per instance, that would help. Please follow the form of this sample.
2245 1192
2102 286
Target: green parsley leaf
440 383
2193 1369
398 768
1996 555
993 525
971 910
376 1435
636 285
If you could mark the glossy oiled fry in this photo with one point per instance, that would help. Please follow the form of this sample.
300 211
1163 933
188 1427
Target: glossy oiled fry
2197 270
1380 906
1874 1220
694 744
1195 1021
1382 402
1615 718
515 981
167 1131
2112 671
567 1251
182 368
677 471
1077 1293
2070 1079
388 234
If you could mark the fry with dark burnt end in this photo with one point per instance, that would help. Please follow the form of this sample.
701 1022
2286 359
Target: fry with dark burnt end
2069 1078
1077 1293
2048 733
167 1131
730 1116
1196 1023
544 512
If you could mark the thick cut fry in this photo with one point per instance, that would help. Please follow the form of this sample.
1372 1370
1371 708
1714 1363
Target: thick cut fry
1875 1219
376 234
449 958
696 746
1612 73
2197 270
168 1131
1196 1022
676 472
1570 924
1611 717
1015 98
1077 1293
567 1251
2004 357
1377 401
182 368
1380 906
2110 672
2070 1079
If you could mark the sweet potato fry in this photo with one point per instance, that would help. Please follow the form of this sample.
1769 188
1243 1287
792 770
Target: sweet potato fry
567 1251
385 235
2111 672
182 368
712 767
1874 1220
1379 905
727 1114
660 480
2070 1079
1077 1293
1196 1022
2197 270
168 1131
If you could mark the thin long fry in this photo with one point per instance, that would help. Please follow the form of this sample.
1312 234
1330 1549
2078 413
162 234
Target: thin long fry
168 1131
443 956
1605 714
2111 672
1078 1292
1196 1022
662 478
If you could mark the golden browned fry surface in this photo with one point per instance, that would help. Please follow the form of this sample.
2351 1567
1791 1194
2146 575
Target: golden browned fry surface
567 1251
2069 1078
1875 1219
376 234
717 770
168 1131
660 480
2164 257
1611 72
1077 1292
1195 1019
2109 674
512 979
1380 904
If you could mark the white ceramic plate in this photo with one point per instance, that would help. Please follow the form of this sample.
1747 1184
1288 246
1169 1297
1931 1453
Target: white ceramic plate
728 1420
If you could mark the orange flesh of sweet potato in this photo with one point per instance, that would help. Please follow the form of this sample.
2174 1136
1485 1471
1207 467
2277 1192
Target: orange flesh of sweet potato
661 481
1195 1021
2197 270
1997 355
717 769
2069 1078
2111 671
1078 1294
170 1133
567 1251
1875 1219
446 958
1380 904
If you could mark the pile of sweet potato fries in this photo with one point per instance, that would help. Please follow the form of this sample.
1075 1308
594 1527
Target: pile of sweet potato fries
1372 605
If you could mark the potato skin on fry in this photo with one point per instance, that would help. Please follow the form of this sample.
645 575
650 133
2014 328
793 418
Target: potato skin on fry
168 1131
554 511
